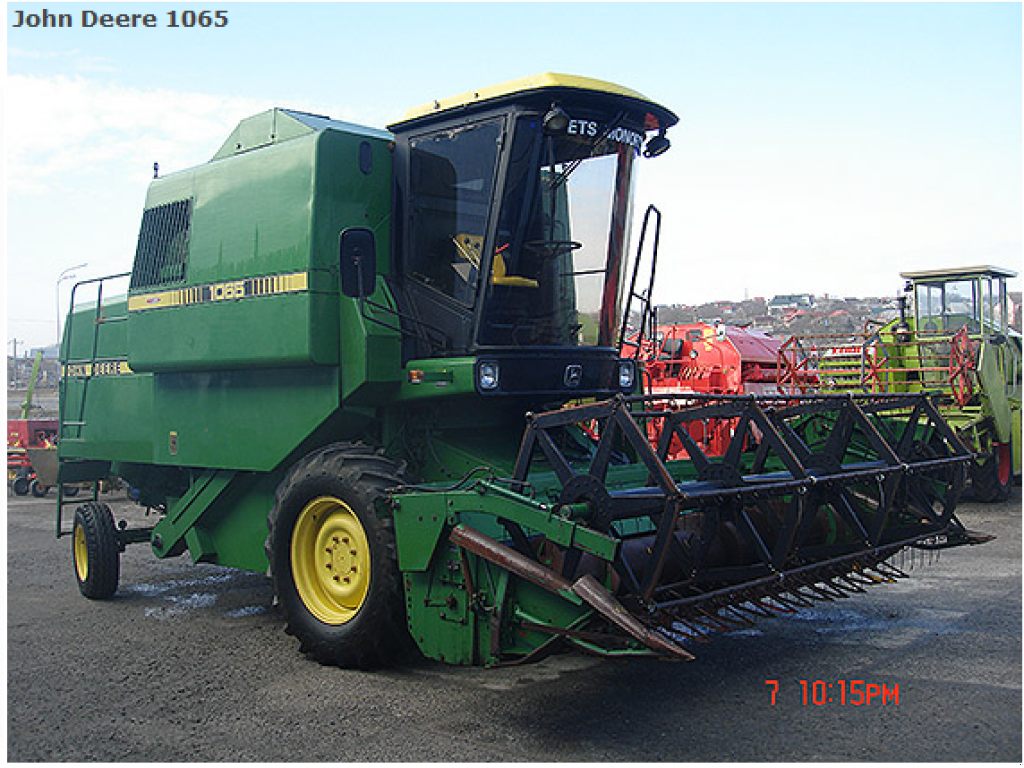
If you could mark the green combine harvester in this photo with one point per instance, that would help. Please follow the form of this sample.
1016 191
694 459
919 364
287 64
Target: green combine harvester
956 344
385 367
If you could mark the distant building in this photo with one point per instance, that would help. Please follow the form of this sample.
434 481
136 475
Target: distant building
789 301
19 370
49 353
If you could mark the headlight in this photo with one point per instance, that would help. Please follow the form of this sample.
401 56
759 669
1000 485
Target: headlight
627 374
487 376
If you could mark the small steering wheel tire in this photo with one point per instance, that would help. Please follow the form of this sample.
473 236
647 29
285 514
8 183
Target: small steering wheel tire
96 551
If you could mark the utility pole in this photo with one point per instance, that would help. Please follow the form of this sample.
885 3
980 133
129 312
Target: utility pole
14 343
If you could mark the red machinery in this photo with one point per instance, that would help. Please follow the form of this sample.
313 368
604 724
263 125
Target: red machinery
708 359
31 433
24 435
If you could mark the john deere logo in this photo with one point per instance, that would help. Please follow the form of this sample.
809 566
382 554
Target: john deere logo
573 376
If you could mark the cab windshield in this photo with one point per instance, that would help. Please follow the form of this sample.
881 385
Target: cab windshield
977 303
556 269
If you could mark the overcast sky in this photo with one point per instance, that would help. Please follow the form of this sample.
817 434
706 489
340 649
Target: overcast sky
822 148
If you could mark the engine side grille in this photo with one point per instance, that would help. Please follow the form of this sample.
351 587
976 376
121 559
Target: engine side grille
163 245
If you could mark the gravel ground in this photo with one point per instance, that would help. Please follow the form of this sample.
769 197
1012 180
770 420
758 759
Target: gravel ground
189 662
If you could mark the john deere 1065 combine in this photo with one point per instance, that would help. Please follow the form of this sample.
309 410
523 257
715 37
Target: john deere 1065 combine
345 357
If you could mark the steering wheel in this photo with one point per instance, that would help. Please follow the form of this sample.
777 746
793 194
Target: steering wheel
548 249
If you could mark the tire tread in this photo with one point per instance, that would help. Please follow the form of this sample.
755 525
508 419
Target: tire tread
378 635
104 551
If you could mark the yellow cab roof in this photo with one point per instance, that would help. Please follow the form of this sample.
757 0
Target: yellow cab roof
537 83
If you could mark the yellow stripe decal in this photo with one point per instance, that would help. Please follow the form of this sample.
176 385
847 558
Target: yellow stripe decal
103 368
251 287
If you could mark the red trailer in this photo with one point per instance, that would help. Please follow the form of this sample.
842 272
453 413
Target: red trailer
25 436
31 433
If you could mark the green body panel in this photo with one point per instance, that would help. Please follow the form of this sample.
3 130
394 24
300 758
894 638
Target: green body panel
994 392
234 419
300 334
437 601
207 371
420 518
95 332
111 415
370 354
245 361
182 516
215 419
276 211
438 611
233 529
252 214
446 377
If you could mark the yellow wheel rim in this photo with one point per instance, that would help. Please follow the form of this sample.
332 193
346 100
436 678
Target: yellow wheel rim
330 560
81 554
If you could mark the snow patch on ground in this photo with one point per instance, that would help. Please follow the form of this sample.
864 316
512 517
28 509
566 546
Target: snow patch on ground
179 605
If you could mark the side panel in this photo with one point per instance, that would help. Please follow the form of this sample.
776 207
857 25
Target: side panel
232 530
249 295
246 419
236 367
370 352
287 328
106 409
107 418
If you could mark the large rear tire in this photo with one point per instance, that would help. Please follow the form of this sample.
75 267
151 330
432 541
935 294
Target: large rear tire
96 551
992 478
333 560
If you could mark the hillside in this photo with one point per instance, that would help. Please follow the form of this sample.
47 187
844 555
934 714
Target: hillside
802 314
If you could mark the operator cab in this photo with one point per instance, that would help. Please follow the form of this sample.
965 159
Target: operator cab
950 299
513 210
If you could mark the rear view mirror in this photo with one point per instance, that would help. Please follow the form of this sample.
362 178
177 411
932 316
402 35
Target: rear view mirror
358 260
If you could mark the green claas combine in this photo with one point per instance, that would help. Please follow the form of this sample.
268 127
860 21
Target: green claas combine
956 343
385 368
